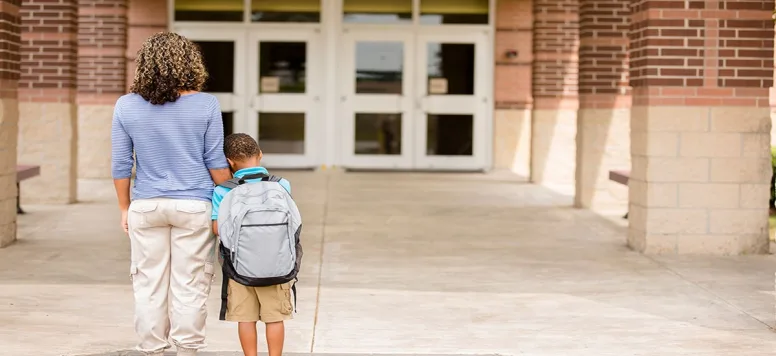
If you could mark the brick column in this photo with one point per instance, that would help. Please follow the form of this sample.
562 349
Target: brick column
555 77
603 121
9 116
700 72
102 45
48 127
513 55
145 18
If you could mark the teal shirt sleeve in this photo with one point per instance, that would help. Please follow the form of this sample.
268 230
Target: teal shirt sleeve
283 182
218 195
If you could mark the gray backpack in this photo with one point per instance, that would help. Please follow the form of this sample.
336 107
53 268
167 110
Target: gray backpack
259 226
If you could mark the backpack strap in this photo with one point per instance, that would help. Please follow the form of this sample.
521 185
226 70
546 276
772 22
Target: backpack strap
230 184
272 179
224 295
251 177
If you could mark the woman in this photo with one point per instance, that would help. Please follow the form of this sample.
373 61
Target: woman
174 135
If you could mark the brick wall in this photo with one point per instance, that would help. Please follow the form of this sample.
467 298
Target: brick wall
145 18
702 52
514 32
603 52
556 46
102 40
746 45
49 50
9 47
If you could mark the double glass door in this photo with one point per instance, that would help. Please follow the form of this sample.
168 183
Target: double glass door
414 101
267 87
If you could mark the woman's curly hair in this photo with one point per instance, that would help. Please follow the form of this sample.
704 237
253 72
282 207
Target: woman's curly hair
167 64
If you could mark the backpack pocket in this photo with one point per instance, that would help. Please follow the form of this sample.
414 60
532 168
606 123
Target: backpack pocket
263 245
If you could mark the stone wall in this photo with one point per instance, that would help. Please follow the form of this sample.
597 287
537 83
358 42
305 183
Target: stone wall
603 123
102 43
512 82
700 138
10 41
555 92
47 128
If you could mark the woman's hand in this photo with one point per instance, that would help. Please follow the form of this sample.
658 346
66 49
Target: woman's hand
122 193
124 225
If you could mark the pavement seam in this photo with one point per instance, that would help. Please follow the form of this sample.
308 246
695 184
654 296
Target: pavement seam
320 259
708 291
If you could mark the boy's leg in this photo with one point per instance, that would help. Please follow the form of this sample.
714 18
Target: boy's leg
276 307
242 306
248 338
276 335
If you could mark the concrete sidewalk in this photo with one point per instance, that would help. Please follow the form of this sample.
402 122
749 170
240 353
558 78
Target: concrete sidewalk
410 264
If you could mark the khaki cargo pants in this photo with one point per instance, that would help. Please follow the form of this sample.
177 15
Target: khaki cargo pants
173 252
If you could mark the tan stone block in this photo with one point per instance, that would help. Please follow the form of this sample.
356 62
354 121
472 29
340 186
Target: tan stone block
638 168
553 146
709 144
94 146
740 119
48 137
637 217
754 196
756 145
7 234
603 144
7 187
722 245
739 221
654 195
637 239
669 119
7 211
512 141
652 244
741 170
655 144
708 195
680 169
660 244
663 221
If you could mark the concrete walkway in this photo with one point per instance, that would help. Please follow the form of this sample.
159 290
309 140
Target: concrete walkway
410 264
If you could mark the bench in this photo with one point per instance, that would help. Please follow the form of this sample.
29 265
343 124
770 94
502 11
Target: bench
23 172
620 177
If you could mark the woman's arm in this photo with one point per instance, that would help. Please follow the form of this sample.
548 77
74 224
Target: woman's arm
220 175
214 147
122 161
122 192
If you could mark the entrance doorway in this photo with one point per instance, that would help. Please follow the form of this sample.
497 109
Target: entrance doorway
267 88
395 84
414 100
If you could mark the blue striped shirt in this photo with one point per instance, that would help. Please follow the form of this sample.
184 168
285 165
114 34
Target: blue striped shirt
174 145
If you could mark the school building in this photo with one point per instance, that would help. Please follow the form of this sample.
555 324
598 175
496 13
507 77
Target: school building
558 91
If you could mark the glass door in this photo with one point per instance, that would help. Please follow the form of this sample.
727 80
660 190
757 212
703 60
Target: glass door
285 87
377 87
223 52
452 101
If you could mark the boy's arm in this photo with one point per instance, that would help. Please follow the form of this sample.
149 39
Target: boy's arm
285 184
218 195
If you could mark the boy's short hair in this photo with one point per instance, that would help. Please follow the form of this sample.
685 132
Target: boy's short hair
239 146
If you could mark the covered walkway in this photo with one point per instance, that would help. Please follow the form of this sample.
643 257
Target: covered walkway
410 264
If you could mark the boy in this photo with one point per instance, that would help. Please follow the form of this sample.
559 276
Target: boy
248 305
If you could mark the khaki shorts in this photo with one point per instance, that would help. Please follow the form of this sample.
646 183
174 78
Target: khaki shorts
266 304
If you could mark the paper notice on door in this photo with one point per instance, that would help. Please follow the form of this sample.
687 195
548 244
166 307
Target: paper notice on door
270 84
437 86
